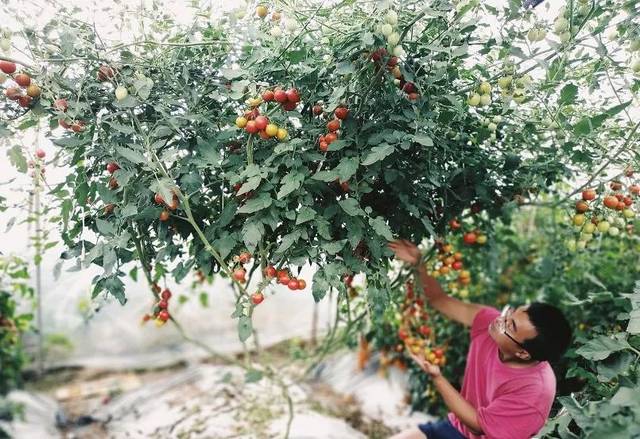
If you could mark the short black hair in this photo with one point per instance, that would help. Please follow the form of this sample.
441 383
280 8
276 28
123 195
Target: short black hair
554 333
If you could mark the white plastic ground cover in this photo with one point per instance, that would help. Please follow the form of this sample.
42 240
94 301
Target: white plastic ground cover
208 401
39 417
380 397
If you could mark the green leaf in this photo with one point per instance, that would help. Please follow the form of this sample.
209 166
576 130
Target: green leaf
568 94
253 376
128 210
288 240
351 207
255 204
115 287
346 168
232 73
602 346
334 247
423 139
381 227
290 182
614 366
305 214
105 227
378 153
251 184
252 233
131 155
245 328
143 87
17 159
224 245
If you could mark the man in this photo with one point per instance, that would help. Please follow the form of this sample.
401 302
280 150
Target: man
508 386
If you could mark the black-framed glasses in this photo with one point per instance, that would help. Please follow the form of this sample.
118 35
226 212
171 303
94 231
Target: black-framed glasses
502 324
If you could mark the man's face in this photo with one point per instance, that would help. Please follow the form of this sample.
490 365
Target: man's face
511 328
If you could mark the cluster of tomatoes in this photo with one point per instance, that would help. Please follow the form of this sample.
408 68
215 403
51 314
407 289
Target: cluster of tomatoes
607 214
284 278
449 264
380 57
165 214
255 123
481 96
76 126
160 312
25 90
416 335
341 113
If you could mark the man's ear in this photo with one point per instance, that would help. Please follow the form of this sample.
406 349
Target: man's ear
523 355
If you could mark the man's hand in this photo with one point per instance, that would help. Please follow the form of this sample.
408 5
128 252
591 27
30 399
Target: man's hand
405 251
429 368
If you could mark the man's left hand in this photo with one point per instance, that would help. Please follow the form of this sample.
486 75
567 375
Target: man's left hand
430 368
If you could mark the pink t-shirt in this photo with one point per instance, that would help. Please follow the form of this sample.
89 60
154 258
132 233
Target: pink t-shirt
512 403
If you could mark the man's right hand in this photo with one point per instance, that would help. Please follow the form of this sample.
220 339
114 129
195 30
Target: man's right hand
406 251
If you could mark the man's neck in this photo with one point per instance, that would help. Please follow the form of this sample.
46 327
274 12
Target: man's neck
513 361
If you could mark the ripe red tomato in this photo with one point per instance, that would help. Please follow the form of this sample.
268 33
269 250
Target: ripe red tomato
293 284
284 280
439 352
22 79
627 201
393 61
378 54
457 265
112 167
342 113
64 124
454 224
158 198
347 279
409 87
25 101
268 96
40 153
289 106
164 215
610 201
239 273
333 125
425 330
257 298
105 73
634 189
270 271
13 93
166 294
589 194
77 126
282 273
251 127
163 315
261 122
60 104
163 304
344 186
264 135
293 95
317 109
302 284
324 146
581 206
280 96
245 257
402 334
469 238
7 67
330 138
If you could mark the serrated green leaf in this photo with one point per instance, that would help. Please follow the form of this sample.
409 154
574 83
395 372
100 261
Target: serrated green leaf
252 233
131 155
105 227
255 204
423 139
305 214
245 328
290 182
378 153
17 158
351 207
381 227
